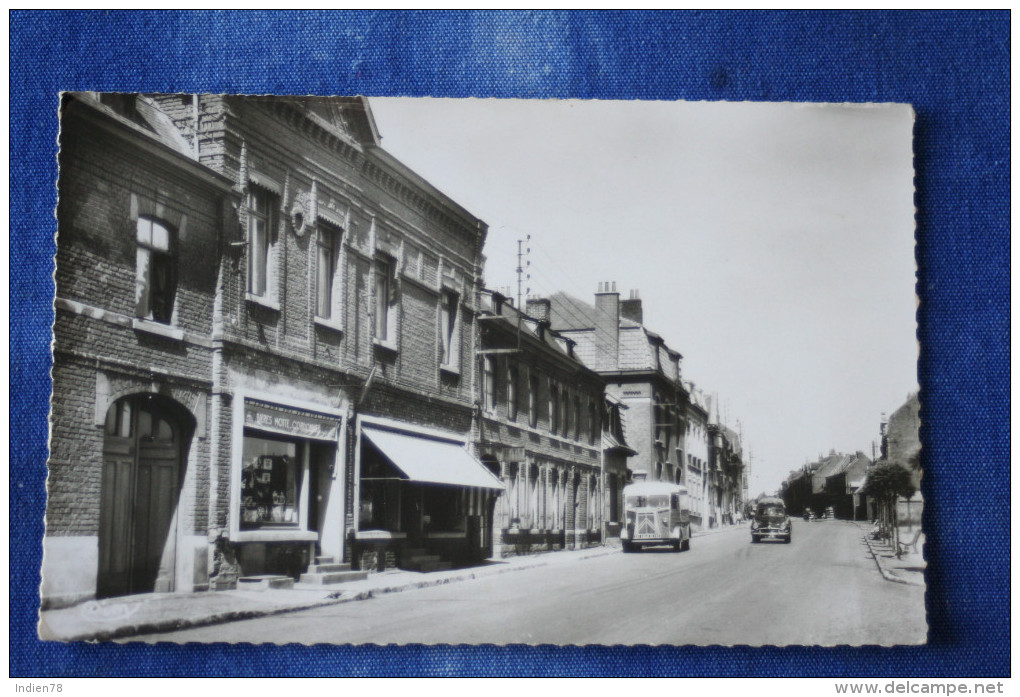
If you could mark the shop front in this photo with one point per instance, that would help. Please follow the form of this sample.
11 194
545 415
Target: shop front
421 494
287 495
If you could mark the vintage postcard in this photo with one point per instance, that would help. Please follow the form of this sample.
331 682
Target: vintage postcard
357 370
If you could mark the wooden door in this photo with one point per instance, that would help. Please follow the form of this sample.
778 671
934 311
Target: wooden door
140 488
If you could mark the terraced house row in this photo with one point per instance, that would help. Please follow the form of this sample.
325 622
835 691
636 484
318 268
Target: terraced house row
275 358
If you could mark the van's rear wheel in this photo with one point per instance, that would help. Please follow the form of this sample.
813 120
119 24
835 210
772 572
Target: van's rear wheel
677 546
685 545
627 547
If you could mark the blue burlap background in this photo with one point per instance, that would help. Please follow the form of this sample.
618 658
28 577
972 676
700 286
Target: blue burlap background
954 69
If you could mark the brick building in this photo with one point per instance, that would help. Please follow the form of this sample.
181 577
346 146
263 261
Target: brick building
272 321
540 430
140 226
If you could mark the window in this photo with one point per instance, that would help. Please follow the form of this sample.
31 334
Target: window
556 512
326 271
511 392
533 400
593 423
156 271
385 301
269 483
489 382
565 416
554 407
532 495
261 242
577 417
450 357
657 415
444 507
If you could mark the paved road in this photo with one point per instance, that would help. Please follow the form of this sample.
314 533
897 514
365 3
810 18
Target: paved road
824 589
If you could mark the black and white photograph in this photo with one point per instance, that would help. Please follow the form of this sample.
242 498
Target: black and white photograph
366 370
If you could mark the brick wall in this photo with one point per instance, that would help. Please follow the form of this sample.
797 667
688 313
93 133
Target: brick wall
381 214
94 342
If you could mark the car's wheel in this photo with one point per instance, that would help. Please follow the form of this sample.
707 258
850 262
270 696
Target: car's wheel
788 539
627 547
685 545
676 545
755 539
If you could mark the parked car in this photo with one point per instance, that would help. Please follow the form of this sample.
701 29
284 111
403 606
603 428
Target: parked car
770 521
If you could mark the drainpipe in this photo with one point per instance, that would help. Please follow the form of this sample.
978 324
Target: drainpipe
194 110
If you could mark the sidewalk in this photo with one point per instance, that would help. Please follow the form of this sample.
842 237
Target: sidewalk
113 618
908 568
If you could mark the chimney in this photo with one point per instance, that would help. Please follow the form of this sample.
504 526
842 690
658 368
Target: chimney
540 309
631 308
607 326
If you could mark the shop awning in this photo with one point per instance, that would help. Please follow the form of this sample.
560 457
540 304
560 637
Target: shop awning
431 460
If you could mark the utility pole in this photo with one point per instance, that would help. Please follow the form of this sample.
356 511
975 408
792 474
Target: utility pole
523 263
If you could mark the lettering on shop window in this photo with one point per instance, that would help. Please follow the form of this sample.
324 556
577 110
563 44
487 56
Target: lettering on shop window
304 425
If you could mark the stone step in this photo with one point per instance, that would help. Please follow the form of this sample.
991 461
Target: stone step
264 582
433 565
327 568
322 579
420 558
325 560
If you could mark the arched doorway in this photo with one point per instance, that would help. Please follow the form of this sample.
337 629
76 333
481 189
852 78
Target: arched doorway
146 440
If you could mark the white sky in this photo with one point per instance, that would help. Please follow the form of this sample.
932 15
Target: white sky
772 244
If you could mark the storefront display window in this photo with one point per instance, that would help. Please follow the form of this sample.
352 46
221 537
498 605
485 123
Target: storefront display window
444 508
269 482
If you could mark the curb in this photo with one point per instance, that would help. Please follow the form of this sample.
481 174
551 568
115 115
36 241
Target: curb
886 574
175 624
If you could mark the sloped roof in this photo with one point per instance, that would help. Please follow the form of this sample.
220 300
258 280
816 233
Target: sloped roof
569 312
637 345
141 114
832 464
518 319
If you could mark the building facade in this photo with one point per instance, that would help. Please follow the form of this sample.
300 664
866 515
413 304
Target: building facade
830 481
540 431
700 482
265 336
616 473
901 443
641 371
726 470
139 226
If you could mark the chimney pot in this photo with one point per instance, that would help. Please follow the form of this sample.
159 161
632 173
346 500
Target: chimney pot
631 309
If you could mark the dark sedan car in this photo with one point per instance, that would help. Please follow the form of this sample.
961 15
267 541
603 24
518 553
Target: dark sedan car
770 521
